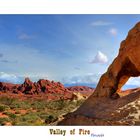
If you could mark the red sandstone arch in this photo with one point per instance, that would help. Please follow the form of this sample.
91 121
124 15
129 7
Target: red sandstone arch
124 66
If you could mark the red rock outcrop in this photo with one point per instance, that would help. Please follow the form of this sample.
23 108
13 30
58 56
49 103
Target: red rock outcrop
8 87
101 104
53 90
27 87
81 89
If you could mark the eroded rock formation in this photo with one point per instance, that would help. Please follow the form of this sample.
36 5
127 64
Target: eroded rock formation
53 90
81 89
124 66
100 105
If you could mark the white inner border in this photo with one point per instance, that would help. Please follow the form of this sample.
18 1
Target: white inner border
69 7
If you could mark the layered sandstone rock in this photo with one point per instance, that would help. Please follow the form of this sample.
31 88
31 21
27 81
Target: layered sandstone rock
124 66
100 105
81 89
53 90
82 92
27 87
8 87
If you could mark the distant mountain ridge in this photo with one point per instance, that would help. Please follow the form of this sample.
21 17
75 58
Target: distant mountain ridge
54 90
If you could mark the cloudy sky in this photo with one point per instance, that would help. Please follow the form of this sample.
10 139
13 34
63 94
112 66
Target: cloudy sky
67 48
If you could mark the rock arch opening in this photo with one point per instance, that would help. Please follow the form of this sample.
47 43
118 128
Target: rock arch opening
132 83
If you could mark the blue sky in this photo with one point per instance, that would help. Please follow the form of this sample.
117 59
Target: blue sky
66 48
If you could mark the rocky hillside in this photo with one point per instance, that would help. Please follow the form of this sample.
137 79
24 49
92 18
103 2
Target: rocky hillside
54 90
124 111
81 91
37 103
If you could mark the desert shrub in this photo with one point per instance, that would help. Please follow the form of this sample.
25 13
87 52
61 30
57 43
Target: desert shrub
3 108
11 115
43 115
31 119
14 122
50 119
56 105
7 100
20 104
20 123
17 112
70 106
79 102
36 123
4 120
46 111
38 105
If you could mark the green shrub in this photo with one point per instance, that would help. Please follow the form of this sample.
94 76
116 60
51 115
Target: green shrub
30 118
11 115
79 102
7 100
38 105
50 119
3 108
46 112
20 104
43 115
56 105
4 120
17 112
20 123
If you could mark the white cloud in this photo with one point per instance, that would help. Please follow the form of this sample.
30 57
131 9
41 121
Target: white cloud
113 31
89 78
5 77
24 36
101 23
100 58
